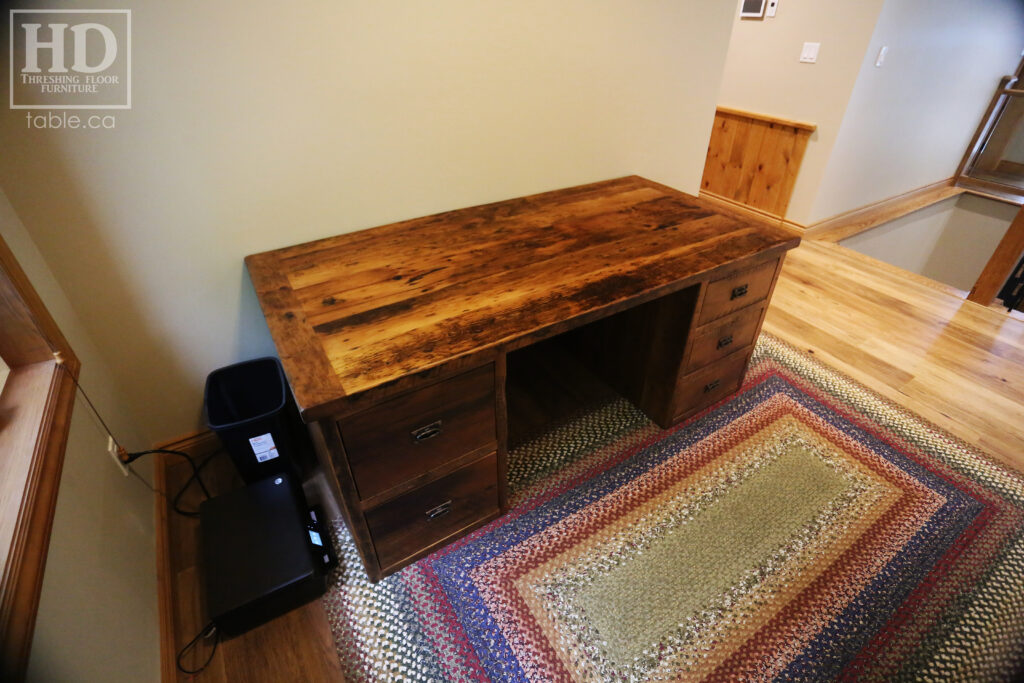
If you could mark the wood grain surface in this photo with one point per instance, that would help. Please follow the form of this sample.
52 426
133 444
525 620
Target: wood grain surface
384 444
35 418
430 514
913 340
866 217
754 159
362 310
917 342
1002 262
768 118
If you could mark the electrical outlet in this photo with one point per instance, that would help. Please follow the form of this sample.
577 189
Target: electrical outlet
116 455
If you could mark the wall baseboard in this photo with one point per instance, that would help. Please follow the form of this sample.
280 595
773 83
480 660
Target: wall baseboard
728 205
203 442
995 191
866 217
747 211
196 445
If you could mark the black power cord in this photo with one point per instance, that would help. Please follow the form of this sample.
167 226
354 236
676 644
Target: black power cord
210 630
129 458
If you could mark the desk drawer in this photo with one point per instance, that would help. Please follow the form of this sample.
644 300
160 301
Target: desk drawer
706 386
409 435
718 339
737 291
429 514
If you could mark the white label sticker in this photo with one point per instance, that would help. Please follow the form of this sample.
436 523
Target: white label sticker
268 455
264 448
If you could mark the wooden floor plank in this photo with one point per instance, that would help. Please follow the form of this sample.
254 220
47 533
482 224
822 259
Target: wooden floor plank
295 647
916 342
956 363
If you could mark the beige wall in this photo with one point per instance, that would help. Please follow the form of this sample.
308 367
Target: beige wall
97 617
257 125
763 74
950 241
908 123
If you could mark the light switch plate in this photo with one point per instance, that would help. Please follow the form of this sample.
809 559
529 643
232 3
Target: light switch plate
769 11
809 55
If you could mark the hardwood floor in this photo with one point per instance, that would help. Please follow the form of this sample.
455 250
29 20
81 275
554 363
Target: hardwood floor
295 647
913 340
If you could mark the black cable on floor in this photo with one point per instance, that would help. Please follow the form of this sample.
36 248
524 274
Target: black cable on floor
208 631
132 457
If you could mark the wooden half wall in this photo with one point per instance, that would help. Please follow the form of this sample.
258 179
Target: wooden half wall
753 159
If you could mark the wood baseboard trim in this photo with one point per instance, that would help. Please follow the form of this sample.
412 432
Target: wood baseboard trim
999 193
747 211
866 217
196 445
165 603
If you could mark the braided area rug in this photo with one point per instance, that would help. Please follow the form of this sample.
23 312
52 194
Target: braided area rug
804 529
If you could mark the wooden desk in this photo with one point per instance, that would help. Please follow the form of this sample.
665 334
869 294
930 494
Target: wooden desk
394 339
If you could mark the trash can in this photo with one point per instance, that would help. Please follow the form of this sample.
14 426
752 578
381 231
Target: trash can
249 407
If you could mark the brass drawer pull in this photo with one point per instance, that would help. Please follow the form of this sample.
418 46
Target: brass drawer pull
439 511
426 432
711 386
724 341
737 292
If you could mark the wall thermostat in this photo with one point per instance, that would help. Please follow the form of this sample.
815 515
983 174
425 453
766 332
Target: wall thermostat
752 9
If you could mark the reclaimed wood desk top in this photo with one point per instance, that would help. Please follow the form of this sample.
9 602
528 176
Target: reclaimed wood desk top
366 309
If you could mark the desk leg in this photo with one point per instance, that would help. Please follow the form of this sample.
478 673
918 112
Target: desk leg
330 452
501 427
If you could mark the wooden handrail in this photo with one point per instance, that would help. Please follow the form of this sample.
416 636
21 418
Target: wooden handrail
988 121
1002 263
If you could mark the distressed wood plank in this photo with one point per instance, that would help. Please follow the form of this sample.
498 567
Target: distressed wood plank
434 291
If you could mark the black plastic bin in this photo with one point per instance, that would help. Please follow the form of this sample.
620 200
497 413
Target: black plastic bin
249 407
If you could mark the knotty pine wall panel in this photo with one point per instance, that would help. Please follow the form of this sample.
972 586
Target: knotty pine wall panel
754 159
